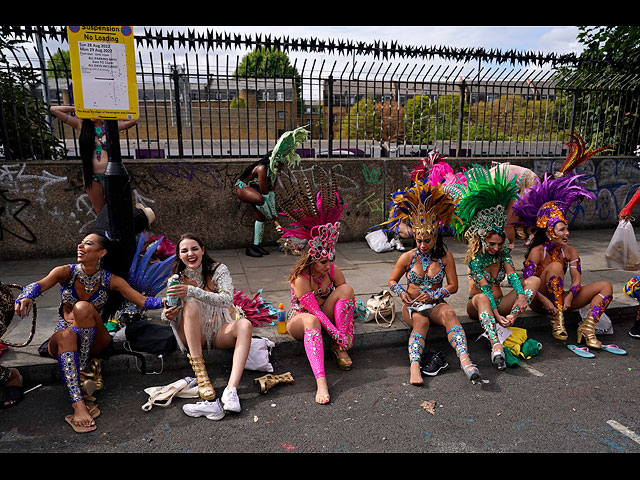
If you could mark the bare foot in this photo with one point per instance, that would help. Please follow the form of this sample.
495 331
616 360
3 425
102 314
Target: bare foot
322 393
416 375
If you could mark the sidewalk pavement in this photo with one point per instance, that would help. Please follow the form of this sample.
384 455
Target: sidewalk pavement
365 270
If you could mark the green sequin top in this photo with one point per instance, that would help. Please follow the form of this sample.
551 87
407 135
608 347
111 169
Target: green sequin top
481 261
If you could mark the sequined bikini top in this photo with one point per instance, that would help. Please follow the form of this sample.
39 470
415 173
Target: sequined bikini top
426 281
69 295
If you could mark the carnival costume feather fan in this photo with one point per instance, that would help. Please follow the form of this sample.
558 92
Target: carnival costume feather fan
425 207
147 279
482 202
257 310
316 217
578 153
549 199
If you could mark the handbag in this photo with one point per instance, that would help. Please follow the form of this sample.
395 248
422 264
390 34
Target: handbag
623 252
382 308
6 314
148 337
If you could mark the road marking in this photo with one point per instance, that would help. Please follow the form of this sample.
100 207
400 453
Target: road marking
624 430
532 370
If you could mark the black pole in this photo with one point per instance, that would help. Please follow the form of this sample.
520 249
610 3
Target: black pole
119 204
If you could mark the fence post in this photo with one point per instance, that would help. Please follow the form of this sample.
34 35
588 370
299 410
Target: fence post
463 85
176 81
330 104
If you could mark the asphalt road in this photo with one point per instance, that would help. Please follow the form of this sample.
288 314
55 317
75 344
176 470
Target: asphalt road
558 403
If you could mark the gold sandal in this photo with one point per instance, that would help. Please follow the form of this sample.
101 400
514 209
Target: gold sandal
269 380
558 330
344 363
205 389
587 329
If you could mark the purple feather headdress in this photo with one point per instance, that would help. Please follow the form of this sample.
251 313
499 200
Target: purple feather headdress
546 203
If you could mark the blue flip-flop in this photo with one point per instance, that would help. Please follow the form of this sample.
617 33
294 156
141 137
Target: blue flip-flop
613 349
581 351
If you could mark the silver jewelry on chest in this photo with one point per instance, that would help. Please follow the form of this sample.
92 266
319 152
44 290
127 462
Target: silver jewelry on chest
88 281
194 276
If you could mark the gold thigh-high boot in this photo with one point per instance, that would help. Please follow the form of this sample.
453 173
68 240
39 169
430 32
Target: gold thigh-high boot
205 389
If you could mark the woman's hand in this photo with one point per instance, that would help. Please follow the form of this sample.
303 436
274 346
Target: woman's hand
568 298
180 290
423 297
503 321
548 305
172 312
406 299
23 306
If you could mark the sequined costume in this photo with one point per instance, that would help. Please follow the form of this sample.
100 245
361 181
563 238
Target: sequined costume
316 219
214 308
543 207
481 211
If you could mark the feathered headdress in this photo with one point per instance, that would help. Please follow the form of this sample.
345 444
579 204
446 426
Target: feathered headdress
285 150
483 201
257 310
426 208
421 171
547 202
578 153
316 218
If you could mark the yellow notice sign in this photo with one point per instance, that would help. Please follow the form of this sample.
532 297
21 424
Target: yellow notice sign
103 71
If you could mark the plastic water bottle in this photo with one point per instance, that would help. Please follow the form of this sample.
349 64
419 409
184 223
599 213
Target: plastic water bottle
171 300
282 324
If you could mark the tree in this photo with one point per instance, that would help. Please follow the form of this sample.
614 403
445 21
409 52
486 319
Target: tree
60 64
268 62
618 46
24 130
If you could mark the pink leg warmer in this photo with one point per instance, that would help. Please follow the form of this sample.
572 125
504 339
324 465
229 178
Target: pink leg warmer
314 348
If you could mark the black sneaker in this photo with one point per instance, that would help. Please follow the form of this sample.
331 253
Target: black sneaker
635 330
251 252
432 363
260 250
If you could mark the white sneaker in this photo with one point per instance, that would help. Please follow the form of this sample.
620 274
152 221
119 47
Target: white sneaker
212 410
230 400
397 244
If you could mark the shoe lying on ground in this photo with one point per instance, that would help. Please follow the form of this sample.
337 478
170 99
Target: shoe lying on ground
230 400
397 244
433 363
210 409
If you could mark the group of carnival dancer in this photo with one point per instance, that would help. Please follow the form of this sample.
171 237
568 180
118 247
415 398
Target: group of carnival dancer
482 206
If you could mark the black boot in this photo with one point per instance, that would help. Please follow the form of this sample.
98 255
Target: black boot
258 248
252 252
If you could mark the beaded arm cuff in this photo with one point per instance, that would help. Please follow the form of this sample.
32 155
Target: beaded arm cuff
488 291
515 283
308 301
439 293
397 289
575 289
153 303
32 291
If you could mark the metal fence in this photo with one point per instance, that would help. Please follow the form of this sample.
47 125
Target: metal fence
199 99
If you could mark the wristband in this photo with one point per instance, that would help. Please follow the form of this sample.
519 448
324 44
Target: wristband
575 289
32 291
397 289
153 303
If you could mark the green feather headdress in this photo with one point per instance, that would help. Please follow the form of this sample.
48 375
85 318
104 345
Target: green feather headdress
483 201
285 150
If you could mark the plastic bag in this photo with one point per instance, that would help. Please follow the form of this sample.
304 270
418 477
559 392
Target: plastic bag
623 251
378 241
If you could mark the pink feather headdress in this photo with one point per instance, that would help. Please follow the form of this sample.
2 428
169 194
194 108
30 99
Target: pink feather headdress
316 218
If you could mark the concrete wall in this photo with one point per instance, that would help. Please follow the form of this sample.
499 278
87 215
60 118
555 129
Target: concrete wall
44 211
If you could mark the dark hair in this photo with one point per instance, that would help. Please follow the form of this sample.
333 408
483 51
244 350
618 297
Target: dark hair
265 160
539 237
439 249
208 264
87 144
